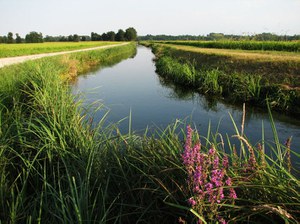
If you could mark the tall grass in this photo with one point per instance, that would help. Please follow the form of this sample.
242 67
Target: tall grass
47 147
244 45
56 167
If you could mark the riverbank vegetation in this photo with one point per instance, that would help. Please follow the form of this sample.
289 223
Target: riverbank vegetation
256 78
13 50
58 167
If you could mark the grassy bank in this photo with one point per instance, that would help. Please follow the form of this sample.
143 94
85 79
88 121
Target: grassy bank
58 168
291 46
235 79
280 68
12 50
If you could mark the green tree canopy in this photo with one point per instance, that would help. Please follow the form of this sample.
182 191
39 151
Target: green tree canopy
34 37
104 37
130 34
120 36
18 38
10 38
111 35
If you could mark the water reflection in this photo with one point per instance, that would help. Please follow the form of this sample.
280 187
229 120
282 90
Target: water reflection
107 64
132 85
187 94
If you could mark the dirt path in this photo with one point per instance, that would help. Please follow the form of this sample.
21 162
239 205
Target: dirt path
20 59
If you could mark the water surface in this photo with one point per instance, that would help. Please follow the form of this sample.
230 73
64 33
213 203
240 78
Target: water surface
132 86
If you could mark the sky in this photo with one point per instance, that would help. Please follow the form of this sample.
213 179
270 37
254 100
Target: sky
171 17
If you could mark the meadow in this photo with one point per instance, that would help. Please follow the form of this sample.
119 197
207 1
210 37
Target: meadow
290 46
58 167
12 50
234 75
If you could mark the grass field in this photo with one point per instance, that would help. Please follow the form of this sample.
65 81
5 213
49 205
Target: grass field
242 54
12 50
290 46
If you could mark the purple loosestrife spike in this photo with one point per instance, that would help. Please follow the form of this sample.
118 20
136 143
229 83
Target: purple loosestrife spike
221 193
216 162
192 202
232 193
211 151
207 177
225 162
228 181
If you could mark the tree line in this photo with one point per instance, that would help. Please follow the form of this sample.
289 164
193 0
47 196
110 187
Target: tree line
32 37
130 34
221 36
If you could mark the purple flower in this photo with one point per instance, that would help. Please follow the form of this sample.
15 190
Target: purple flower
232 193
228 181
225 162
221 194
192 202
211 151
216 162
206 178
209 186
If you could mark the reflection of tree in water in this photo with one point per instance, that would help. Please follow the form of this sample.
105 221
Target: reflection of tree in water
106 64
187 94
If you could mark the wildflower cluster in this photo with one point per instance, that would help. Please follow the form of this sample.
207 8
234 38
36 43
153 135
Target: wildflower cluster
207 179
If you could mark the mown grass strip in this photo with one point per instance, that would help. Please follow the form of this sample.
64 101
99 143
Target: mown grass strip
12 50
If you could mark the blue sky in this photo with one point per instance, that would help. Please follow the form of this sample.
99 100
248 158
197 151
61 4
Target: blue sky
174 17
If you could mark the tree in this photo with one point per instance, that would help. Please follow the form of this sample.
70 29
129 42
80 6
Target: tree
95 37
111 36
70 38
130 34
104 37
120 36
34 37
18 39
215 36
76 38
3 39
10 38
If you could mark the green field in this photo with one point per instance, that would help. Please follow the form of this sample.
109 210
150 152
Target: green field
290 46
12 50
58 167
